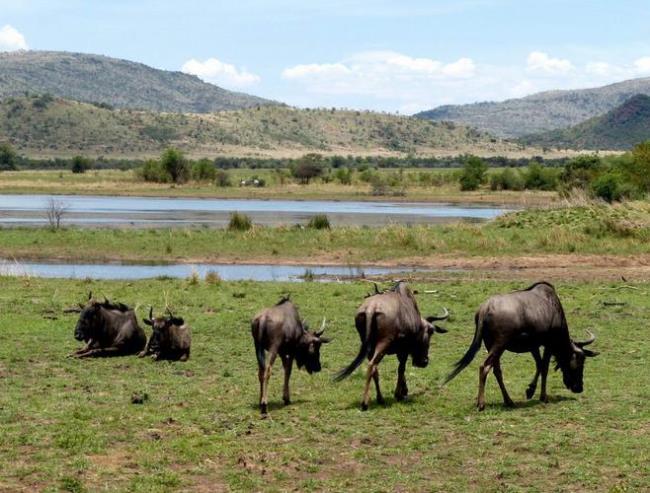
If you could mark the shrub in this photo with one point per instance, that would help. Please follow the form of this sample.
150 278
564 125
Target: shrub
153 171
343 176
537 177
580 171
204 170
175 164
319 221
80 164
473 174
212 277
508 179
308 167
8 157
222 178
611 187
239 222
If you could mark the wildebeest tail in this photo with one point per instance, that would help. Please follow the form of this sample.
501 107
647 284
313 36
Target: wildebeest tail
364 334
259 348
467 358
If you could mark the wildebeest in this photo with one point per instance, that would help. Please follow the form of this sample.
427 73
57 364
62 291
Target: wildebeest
108 329
170 338
521 322
280 331
390 323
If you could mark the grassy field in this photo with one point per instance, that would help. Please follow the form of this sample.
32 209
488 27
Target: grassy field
114 182
620 231
68 425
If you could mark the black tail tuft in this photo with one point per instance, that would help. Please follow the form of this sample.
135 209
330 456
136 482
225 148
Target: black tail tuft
364 327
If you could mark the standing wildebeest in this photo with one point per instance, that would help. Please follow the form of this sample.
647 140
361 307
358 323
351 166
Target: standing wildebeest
390 323
279 330
109 329
521 322
170 338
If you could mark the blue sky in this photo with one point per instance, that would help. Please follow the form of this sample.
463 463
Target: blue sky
394 56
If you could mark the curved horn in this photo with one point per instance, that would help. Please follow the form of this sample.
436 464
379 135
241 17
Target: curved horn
322 329
591 339
170 312
151 313
90 295
443 317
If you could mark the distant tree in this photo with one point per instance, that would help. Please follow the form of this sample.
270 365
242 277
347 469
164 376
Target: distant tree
473 174
308 167
175 164
580 171
639 170
80 164
8 157
204 170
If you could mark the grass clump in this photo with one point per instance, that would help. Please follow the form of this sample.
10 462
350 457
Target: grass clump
213 278
239 222
319 221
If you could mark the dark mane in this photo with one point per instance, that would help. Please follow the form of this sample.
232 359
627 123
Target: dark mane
539 283
120 307
283 300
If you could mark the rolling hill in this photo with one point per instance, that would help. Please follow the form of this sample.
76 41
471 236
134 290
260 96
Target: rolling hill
540 112
114 82
47 126
619 129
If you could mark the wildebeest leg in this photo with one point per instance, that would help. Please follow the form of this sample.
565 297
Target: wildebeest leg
106 351
530 391
185 356
499 376
372 368
375 377
146 349
265 383
483 373
401 390
546 359
287 362
87 347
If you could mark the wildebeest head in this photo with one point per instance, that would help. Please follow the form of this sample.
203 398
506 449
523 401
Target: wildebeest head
573 368
308 348
161 335
88 319
420 352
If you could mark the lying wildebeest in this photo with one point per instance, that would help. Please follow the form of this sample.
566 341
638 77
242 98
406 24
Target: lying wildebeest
521 322
108 329
171 338
280 331
390 323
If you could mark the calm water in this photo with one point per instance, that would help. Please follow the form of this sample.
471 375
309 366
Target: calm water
145 211
226 271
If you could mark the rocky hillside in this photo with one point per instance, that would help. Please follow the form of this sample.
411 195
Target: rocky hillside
113 82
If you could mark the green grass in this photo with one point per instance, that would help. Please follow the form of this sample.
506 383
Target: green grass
621 230
69 425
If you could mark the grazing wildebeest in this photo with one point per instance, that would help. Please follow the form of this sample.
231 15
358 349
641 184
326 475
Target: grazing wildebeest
390 323
280 331
108 329
170 339
521 322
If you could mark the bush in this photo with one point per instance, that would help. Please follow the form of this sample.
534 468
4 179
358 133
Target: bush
473 174
537 177
580 171
343 176
239 222
153 171
80 164
508 179
8 157
175 164
308 167
611 187
204 170
222 178
319 221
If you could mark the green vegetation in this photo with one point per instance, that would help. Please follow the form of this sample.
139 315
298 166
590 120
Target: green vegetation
8 157
473 175
319 221
239 222
541 112
70 425
621 128
108 82
591 229
80 164
65 128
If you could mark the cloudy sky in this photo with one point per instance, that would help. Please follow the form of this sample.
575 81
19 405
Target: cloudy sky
384 55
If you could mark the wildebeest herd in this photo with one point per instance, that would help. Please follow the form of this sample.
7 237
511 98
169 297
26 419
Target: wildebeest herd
388 322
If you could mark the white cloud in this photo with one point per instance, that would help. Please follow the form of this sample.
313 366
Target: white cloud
315 69
218 72
642 65
11 39
463 68
540 62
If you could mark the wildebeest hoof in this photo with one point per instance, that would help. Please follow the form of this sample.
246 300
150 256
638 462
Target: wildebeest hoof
509 403
480 406
287 401
364 406
264 409
399 396
544 399
381 401
530 392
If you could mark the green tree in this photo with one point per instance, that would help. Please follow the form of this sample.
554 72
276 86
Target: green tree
580 171
308 167
8 157
473 174
175 164
80 164
638 169
204 170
